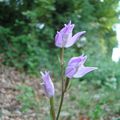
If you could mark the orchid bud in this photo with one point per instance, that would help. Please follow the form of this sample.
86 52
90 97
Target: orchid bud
48 84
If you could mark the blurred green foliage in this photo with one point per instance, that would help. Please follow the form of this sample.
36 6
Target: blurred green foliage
106 74
28 27
93 101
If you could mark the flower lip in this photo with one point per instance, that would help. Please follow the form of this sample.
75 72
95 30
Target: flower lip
76 68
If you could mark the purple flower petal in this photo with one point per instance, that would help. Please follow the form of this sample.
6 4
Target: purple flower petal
64 36
47 84
74 39
83 71
58 40
67 28
77 60
76 68
70 71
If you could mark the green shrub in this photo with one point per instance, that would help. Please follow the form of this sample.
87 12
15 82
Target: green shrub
29 46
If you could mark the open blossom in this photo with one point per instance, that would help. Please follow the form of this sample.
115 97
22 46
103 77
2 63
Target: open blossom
64 37
48 84
76 68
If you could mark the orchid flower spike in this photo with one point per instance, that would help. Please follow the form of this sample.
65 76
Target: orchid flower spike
48 84
76 68
64 37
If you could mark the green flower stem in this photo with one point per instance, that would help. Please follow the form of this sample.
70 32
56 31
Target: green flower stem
62 78
62 66
66 84
60 106
62 97
52 112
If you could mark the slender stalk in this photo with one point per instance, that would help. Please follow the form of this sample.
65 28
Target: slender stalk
60 106
52 112
62 78
62 66
62 97
66 84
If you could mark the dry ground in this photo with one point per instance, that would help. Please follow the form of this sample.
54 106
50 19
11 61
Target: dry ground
9 106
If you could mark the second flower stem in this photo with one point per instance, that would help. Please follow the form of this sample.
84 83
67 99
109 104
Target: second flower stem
60 106
52 112
62 97
62 78
62 66
64 83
